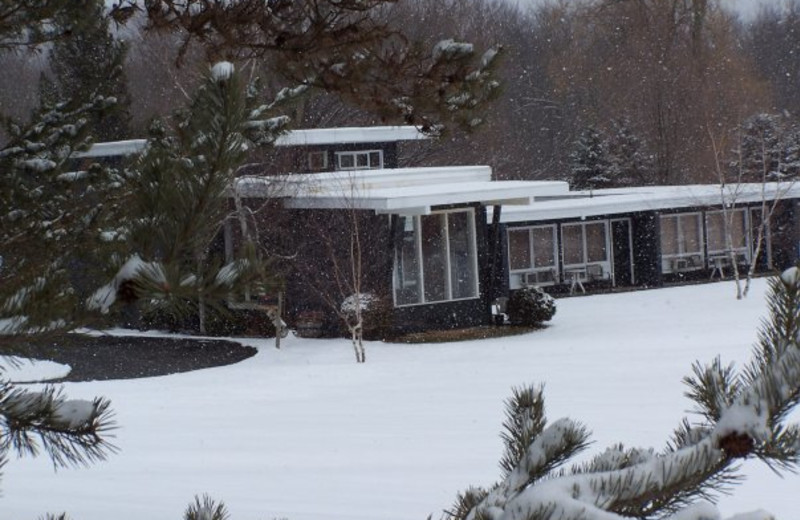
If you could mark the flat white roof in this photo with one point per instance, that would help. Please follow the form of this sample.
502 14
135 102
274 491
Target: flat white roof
404 191
580 204
354 135
315 136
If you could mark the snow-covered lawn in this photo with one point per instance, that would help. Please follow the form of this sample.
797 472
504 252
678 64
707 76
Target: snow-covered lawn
24 370
307 434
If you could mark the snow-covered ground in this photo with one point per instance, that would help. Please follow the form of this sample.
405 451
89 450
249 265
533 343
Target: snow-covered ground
305 433
23 370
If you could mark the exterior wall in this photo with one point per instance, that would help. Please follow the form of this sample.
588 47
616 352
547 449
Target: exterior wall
783 244
310 243
646 249
786 235
295 158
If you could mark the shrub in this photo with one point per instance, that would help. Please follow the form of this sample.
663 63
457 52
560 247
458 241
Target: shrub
530 306
375 311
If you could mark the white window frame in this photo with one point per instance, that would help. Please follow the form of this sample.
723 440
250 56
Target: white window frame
520 277
355 154
473 251
684 260
317 153
742 253
579 270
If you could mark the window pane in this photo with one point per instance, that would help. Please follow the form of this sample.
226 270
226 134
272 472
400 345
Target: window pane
519 249
738 230
690 231
669 235
715 227
361 160
375 160
462 255
346 161
596 242
433 257
544 246
573 244
407 284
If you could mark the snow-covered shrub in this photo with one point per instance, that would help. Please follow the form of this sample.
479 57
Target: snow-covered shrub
375 314
530 306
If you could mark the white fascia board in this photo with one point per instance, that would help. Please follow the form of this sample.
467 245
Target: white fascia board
421 198
389 178
350 135
652 198
113 149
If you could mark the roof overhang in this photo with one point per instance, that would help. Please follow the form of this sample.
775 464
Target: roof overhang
650 198
406 191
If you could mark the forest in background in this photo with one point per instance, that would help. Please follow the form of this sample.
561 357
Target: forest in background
619 92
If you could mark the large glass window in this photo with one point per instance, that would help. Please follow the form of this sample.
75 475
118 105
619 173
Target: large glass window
681 242
443 244
532 255
585 249
585 243
715 227
360 160
718 247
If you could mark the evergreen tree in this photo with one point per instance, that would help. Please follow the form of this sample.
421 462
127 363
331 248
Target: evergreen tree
53 216
629 162
769 149
90 61
739 415
180 198
589 161
49 218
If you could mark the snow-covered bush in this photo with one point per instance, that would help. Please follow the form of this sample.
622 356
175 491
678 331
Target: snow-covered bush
375 315
530 306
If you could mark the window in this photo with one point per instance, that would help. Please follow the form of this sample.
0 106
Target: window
715 231
585 243
436 258
681 242
317 161
361 160
532 255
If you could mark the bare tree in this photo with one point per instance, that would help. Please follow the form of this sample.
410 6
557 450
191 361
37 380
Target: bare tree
765 155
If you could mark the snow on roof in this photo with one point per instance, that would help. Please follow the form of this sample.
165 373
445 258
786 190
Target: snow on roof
113 148
400 191
580 204
352 135
315 136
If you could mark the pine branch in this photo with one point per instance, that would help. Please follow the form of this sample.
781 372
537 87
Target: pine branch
71 432
206 509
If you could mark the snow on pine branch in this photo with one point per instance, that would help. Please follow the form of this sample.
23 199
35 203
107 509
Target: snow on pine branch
69 431
449 49
222 71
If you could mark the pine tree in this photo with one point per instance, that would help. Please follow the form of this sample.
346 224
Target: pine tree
769 149
90 61
589 161
739 414
53 217
629 162
180 199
